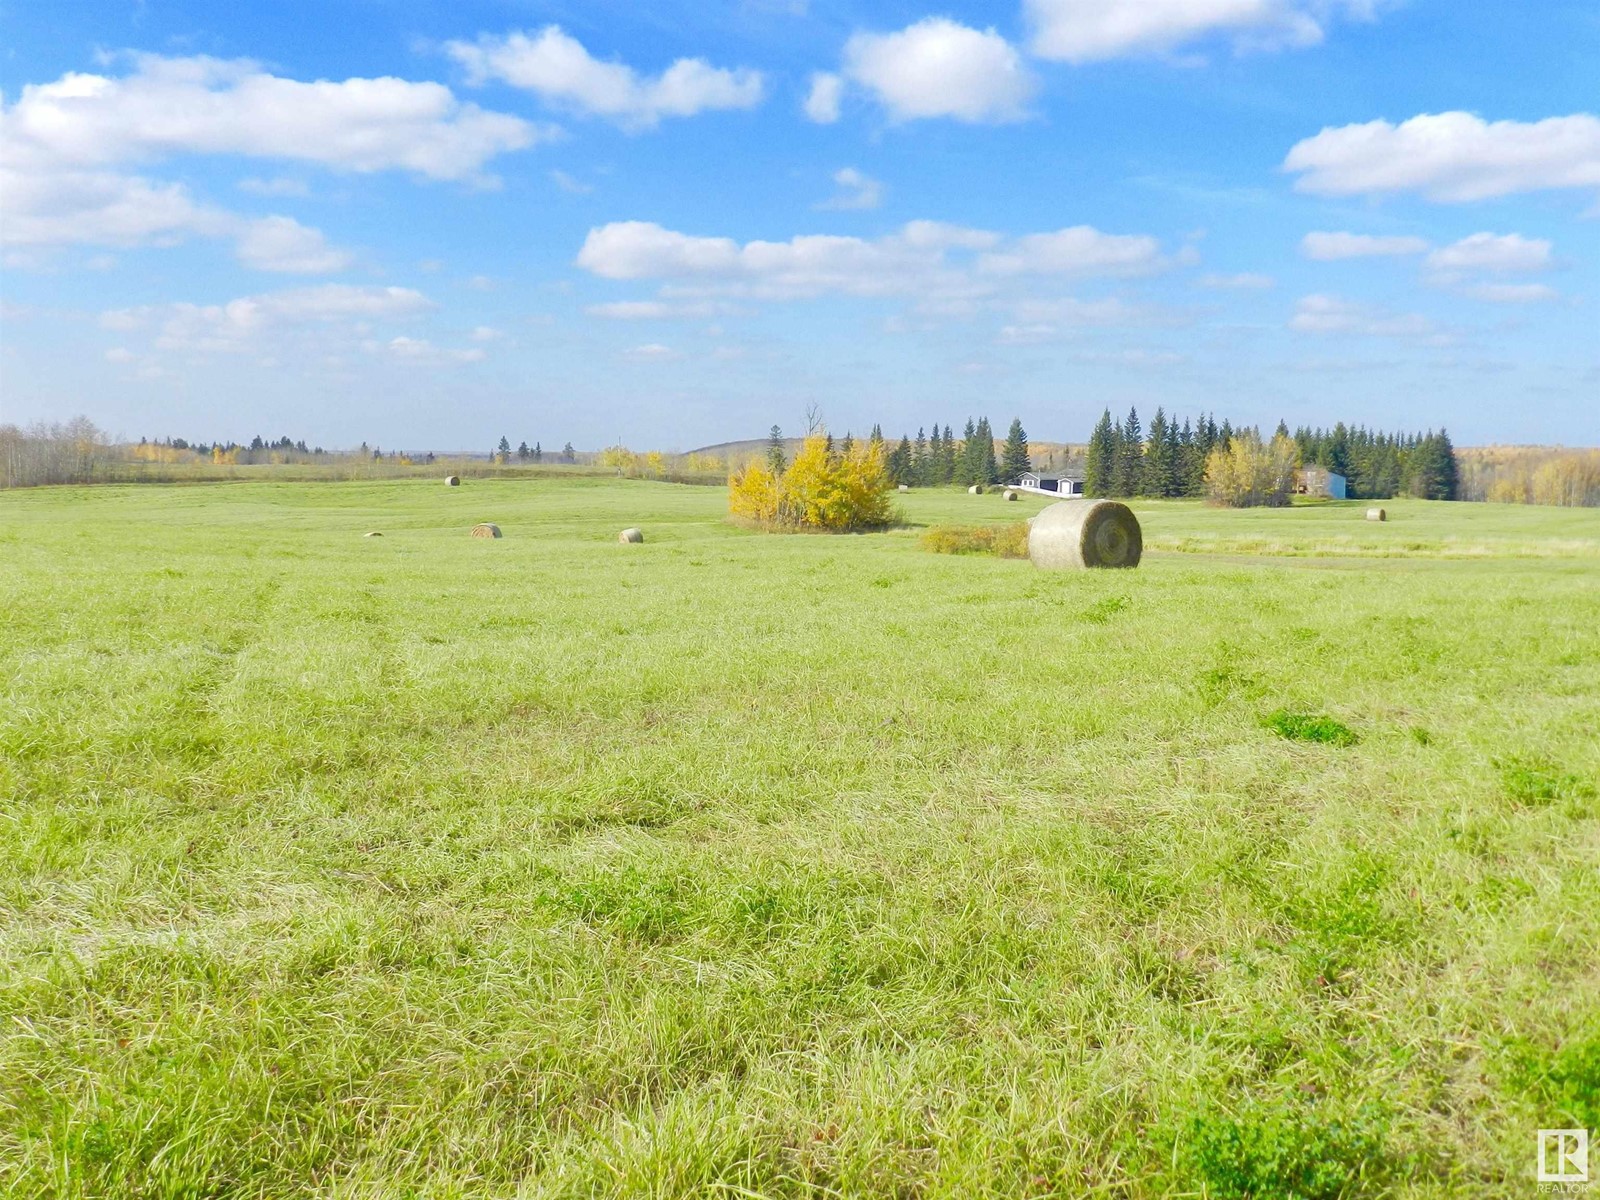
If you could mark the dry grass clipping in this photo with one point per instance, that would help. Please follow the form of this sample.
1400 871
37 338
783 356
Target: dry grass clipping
1002 541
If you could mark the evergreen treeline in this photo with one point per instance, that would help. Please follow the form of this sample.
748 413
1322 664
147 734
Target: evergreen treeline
1169 460
942 459
1377 466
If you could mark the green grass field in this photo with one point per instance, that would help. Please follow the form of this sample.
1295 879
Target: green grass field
750 865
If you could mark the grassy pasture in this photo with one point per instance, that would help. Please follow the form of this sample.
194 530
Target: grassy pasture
750 865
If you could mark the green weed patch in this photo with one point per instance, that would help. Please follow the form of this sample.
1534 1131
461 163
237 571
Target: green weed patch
1310 727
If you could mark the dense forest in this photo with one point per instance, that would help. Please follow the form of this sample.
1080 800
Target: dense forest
1169 460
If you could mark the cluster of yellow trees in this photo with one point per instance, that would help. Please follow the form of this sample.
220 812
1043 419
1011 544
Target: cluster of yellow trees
1246 472
1570 478
838 491
653 464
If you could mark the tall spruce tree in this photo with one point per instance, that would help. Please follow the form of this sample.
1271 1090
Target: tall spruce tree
1130 452
900 463
987 468
1155 475
777 461
966 467
947 468
1100 459
1014 462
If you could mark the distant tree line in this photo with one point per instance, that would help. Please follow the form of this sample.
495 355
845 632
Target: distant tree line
503 453
941 459
34 455
1168 460
1531 475
1377 466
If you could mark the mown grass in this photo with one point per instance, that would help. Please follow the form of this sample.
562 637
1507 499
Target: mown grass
745 864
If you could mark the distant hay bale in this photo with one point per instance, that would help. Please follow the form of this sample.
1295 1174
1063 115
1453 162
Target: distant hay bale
1011 493
374 533
486 530
631 534
975 490
1085 533
452 481
904 488
1377 514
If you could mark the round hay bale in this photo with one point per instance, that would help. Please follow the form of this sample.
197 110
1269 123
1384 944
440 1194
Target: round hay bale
486 529
1377 514
975 490
631 534
1085 533
452 481
1011 493
374 533
904 488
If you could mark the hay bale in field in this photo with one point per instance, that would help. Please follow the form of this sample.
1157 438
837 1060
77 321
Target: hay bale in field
1377 514
904 488
1011 493
452 481
486 529
1085 533
975 490
631 535
374 533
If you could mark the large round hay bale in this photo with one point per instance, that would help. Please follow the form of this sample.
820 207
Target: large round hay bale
452 481
1377 514
631 534
486 530
904 488
975 490
1085 533
1011 493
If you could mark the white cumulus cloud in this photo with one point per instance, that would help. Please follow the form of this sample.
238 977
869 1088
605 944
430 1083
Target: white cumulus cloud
1334 315
950 270
1092 30
822 101
73 152
556 66
283 244
172 106
856 191
1330 247
240 324
1079 250
1452 157
654 310
934 68
420 352
1509 253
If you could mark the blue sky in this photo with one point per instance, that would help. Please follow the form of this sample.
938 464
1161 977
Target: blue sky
428 225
